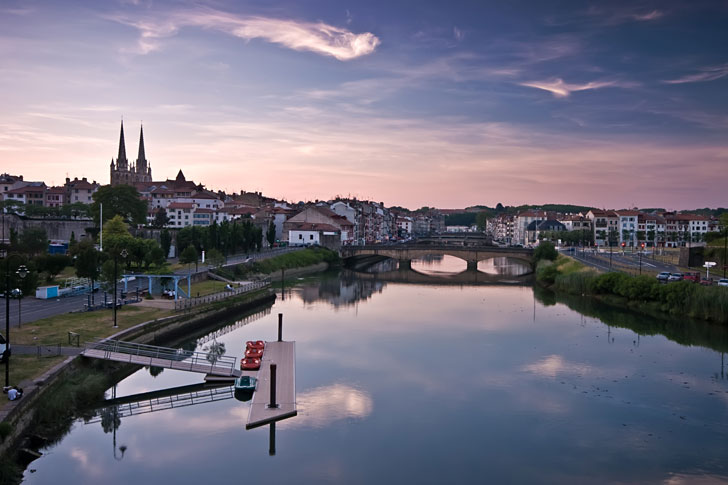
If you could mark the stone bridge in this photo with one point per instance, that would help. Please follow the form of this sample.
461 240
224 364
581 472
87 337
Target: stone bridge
468 277
405 253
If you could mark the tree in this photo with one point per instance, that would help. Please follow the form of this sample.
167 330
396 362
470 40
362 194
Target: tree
116 236
215 258
33 241
87 262
119 200
189 255
480 221
165 241
545 250
160 218
52 264
271 234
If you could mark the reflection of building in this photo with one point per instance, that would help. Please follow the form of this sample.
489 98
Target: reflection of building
345 289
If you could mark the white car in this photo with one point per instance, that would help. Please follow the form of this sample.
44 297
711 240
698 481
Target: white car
723 282
664 276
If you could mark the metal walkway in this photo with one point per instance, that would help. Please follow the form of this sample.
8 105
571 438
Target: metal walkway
179 359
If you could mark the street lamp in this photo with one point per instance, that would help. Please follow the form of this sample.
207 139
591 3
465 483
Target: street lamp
642 248
123 254
22 271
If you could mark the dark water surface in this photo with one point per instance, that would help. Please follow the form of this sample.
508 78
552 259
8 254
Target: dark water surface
405 383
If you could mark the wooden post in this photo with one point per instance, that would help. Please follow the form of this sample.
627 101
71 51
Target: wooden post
273 386
280 327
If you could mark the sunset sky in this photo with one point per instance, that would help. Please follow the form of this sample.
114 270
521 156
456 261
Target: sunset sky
446 104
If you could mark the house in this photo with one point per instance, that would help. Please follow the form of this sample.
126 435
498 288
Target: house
316 215
79 191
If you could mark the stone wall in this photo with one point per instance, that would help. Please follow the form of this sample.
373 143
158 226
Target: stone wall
57 229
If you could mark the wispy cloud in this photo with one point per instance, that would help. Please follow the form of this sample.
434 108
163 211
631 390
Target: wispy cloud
560 89
706 74
319 37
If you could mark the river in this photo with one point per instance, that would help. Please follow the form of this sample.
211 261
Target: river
434 383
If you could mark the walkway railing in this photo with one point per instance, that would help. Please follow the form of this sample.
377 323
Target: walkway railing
143 354
188 303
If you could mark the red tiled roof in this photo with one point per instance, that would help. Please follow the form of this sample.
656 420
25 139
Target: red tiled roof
312 226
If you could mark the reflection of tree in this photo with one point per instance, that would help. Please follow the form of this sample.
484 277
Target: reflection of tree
684 331
214 351
154 371
110 419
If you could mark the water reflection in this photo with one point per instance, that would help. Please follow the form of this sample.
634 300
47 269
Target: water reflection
503 266
324 405
475 378
338 289
438 264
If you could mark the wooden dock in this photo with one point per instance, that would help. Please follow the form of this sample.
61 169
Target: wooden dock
283 354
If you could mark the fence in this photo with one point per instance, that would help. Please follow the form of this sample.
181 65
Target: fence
188 303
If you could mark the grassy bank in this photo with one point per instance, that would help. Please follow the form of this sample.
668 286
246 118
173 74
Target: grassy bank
642 293
296 259
89 325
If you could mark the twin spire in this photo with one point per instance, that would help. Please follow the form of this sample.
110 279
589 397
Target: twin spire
141 162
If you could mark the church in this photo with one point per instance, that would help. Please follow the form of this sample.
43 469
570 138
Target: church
122 172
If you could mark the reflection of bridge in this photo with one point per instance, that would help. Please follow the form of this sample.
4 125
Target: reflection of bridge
150 402
469 277
405 253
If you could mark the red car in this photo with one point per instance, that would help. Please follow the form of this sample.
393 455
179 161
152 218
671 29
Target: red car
694 277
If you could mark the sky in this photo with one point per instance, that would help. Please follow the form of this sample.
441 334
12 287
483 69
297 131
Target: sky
412 103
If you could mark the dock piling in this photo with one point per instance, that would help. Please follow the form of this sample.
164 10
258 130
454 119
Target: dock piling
273 368
280 327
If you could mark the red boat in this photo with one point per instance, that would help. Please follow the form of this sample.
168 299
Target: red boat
254 353
255 344
248 363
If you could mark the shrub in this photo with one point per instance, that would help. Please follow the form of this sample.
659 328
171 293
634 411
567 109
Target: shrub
545 250
546 272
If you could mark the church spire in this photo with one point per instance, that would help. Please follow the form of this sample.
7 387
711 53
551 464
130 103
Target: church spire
141 162
121 160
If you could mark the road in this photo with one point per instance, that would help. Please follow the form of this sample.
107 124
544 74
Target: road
626 262
35 309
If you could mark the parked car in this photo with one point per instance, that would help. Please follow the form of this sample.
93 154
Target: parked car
3 348
706 281
664 276
723 282
675 277
694 277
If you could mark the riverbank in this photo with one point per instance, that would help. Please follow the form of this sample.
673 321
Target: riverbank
641 293
306 261
53 400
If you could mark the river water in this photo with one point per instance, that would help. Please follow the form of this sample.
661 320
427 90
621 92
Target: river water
434 383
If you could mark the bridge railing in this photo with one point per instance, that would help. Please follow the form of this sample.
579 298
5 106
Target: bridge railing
216 363
188 303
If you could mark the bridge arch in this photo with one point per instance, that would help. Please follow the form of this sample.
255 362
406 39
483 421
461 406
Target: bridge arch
471 255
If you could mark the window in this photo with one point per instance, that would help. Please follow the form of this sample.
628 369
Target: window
310 236
300 236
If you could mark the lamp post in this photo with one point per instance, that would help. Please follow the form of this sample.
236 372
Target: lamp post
18 293
642 248
123 254
22 271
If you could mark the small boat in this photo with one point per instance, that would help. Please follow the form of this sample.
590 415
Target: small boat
249 364
245 383
244 388
254 353
255 344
